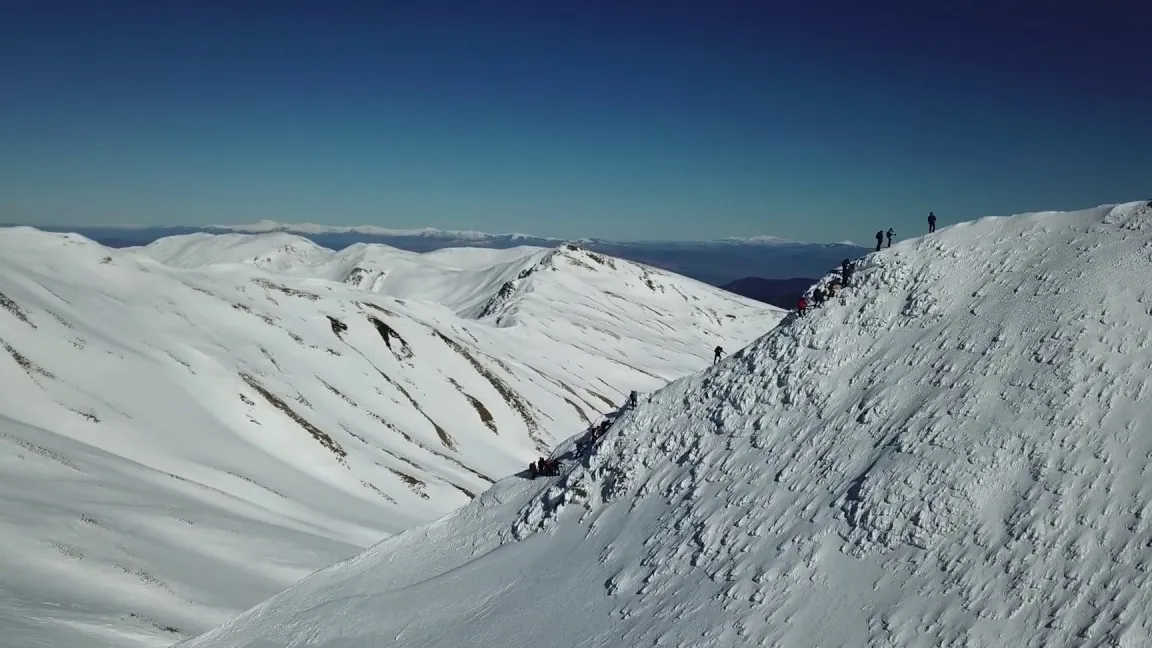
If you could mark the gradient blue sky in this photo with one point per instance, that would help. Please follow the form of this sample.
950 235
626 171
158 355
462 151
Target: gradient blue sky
820 121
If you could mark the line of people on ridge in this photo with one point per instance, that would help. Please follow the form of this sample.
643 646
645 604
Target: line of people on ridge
821 294
881 234
546 467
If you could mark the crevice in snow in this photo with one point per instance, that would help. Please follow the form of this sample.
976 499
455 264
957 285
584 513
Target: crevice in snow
316 432
510 397
271 285
338 327
481 410
416 485
29 367
14 308
387 333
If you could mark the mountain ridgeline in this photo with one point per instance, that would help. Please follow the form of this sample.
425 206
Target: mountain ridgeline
715 262
952 451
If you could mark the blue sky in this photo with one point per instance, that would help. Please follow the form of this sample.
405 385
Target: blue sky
631 120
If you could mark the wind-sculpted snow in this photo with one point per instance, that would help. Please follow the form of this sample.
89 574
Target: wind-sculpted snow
954 452
180 439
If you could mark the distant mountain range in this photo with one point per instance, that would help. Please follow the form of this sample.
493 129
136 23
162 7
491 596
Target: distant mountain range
717 262
777 292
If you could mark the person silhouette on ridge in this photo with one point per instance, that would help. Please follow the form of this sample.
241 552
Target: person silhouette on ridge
890 234
931 222
719 352
879 239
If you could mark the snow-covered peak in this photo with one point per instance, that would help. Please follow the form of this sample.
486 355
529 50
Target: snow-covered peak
276 251
501 286
954 451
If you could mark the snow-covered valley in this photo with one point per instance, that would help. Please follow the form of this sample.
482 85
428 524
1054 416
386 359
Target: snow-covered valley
190 427
953 452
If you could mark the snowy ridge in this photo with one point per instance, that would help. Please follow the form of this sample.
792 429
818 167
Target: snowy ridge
954 452
716 262
462 279
190 427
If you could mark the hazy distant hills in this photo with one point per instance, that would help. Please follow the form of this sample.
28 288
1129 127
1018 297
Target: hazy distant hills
718 262
777 292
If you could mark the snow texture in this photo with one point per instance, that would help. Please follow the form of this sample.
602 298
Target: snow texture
189 427
955 452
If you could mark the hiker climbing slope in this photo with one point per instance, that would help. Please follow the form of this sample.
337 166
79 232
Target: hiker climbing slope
846 270
818 296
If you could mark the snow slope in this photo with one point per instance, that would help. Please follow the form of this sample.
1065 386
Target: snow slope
954 453
188 428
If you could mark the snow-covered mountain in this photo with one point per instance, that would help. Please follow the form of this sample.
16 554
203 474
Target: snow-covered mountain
189 427
954 452
716 261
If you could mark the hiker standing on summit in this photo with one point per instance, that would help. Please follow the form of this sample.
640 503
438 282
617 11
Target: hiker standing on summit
890 233
931 222
719 352
879 239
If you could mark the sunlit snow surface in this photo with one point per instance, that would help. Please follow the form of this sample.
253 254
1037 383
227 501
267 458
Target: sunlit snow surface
190 427
956 453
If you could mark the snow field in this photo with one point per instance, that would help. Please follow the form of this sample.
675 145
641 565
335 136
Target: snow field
186 429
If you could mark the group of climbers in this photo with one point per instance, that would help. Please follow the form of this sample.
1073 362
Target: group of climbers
881 234
880 238
823 293
545 467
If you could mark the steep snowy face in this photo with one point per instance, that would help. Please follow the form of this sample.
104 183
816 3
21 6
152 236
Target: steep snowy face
954 451
613 304
181 441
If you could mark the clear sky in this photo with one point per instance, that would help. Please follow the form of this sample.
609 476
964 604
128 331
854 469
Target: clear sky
637 119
